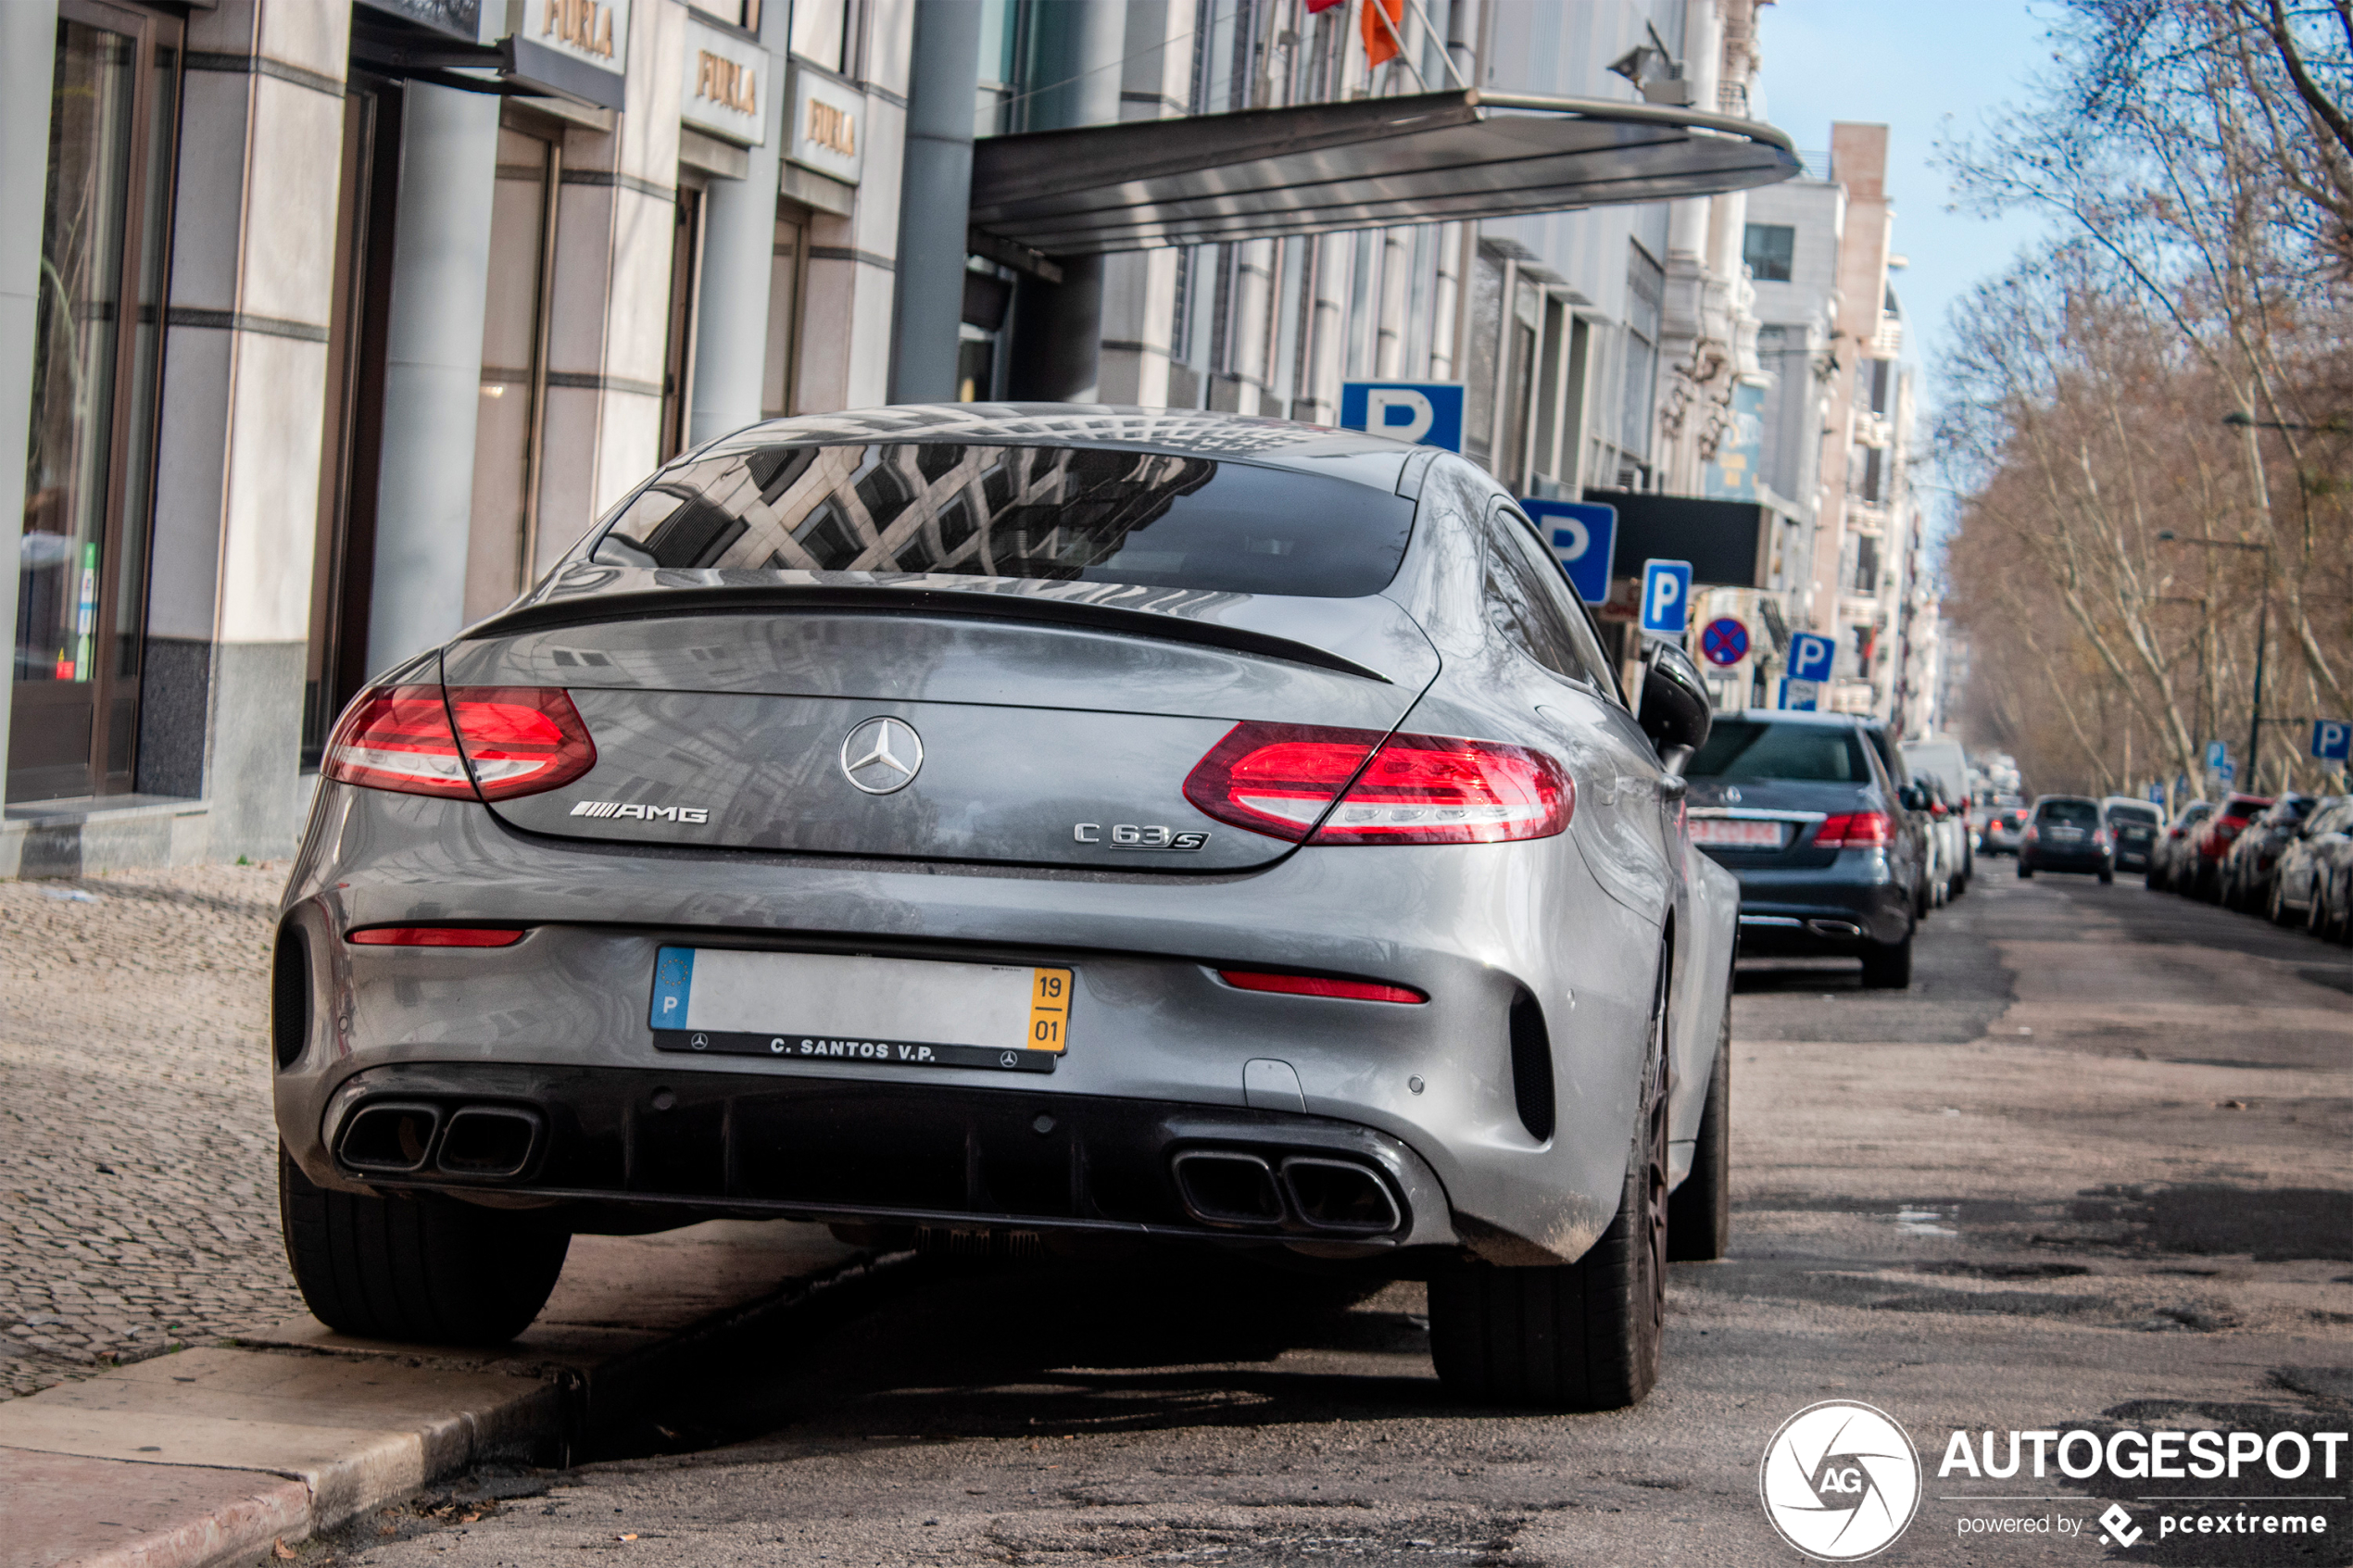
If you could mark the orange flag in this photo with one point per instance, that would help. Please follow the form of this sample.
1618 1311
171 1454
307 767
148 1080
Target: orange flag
1380 38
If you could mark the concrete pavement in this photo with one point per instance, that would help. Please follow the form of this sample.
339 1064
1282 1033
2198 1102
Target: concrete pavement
2090 1172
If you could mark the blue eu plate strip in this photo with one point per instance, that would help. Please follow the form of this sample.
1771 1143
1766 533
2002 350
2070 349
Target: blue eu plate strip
673 977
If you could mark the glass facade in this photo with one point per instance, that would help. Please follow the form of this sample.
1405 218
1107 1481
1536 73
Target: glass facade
90 453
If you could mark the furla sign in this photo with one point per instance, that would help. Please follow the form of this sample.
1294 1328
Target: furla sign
828 124
576 49
725 92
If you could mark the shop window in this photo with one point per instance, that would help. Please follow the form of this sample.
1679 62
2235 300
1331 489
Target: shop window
685 288
510 423
788 268
343 558
1645 293
96 368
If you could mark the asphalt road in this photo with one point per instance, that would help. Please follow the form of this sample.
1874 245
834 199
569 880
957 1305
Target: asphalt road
2090 1171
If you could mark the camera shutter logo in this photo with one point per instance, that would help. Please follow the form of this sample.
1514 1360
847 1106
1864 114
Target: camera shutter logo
1839 1480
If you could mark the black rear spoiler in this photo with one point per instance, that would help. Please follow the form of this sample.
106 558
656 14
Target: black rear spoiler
665 604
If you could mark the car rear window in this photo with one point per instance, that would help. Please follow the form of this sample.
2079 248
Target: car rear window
2144 814
1751 749
2074 813
1056 513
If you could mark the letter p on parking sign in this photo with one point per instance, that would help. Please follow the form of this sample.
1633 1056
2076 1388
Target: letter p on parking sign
2331 739
1667 597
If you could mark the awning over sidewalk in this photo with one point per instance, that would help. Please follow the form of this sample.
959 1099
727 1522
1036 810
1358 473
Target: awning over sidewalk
1433 157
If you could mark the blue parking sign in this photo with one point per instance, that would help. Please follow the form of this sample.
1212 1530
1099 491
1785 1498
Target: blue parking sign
1584 536
2331 739
1667 597
1811 655
1429 413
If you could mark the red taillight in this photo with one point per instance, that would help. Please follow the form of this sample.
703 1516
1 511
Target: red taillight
1854 830
518 740
436 937
398 739
1316 985
1936 807
1278 779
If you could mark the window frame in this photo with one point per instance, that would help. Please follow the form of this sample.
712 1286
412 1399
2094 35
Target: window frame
1582 635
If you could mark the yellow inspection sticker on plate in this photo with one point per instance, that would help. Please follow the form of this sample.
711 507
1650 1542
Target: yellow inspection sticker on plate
844 1007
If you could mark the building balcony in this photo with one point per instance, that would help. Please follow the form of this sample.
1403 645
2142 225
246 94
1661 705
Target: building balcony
1867 518
1888 342
1859 609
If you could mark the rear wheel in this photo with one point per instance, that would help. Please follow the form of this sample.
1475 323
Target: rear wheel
427 1269
2107 875
1571 1337
2025 867
1699 1217
1887 966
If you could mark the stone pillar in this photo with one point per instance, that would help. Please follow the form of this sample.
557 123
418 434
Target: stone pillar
244 382
28 66
738 247
935 198
433 369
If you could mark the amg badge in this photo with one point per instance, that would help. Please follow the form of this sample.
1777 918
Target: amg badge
643 813
1129 835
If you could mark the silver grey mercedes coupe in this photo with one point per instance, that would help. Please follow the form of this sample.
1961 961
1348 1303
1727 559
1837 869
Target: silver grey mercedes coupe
1011 827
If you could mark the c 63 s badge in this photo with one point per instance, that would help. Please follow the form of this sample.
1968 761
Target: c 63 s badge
1129 835
616 809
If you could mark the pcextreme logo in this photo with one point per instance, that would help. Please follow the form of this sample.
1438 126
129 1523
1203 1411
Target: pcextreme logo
1839 1480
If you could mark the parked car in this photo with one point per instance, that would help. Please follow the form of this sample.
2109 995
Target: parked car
2004 827
2213 840
2133 828
2066 834
1942 759
1912 804
2253 859
2171 858
1116 826
1802 809
2311 885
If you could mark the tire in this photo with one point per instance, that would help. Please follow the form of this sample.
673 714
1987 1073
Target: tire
2025 868
2275 906
1887 966
1699 1214
426 1269
1569 1337
2107 875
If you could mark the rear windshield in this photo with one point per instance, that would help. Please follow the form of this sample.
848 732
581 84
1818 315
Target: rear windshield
1061 514
2134 814
2076 813
1750 749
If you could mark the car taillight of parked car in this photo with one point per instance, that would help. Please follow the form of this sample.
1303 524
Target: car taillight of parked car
465 743
1278 779
1854 830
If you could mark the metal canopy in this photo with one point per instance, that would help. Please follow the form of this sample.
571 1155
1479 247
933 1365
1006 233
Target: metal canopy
1432 157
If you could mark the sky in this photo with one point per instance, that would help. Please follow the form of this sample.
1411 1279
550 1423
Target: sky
1926 69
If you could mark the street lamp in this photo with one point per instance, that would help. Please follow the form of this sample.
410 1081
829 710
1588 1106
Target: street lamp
2262 627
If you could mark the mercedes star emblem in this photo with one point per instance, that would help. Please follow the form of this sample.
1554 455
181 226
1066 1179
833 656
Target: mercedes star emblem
882 755
1732 796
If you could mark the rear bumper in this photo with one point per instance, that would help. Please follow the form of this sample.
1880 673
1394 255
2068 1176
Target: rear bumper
671 1147
2044 859
1832 909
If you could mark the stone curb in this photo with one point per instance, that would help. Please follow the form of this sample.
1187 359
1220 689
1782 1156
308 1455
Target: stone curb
211 1455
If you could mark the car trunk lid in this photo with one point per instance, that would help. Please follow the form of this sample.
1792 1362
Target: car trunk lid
1002 725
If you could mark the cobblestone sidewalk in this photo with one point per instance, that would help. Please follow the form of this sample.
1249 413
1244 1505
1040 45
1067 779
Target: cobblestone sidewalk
138 1197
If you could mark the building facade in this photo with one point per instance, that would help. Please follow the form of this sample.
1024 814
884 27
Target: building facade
329 326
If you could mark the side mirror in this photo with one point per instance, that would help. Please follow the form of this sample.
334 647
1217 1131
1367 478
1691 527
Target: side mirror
1911 798
1675 712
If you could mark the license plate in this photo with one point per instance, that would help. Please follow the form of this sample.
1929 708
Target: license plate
1736 832
884 1013
2066 833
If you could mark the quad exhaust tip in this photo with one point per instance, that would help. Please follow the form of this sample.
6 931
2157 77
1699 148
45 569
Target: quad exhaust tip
1311 1192
478 1142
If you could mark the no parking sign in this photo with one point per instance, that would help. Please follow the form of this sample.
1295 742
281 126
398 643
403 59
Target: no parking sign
1724 641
